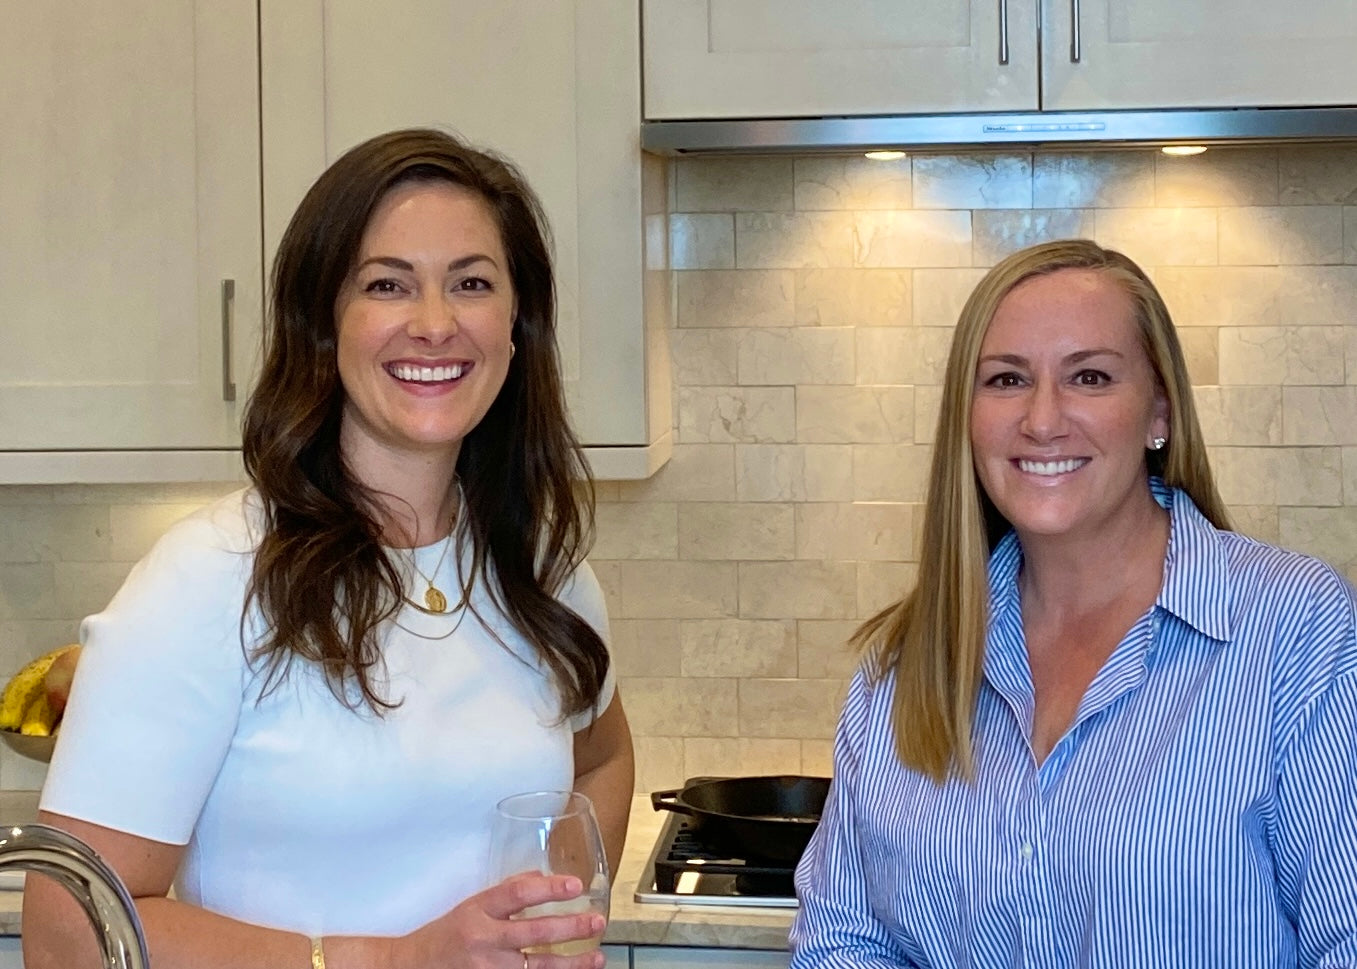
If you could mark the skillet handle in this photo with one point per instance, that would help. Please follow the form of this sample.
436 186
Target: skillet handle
668 801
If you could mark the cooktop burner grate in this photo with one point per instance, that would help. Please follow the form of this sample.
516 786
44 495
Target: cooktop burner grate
683 869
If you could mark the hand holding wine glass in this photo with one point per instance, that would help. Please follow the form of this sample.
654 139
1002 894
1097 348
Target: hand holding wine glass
554 833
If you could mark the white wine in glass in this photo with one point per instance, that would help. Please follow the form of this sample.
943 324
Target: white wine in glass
555 833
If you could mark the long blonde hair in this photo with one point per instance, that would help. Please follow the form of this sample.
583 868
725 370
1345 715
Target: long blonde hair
934 639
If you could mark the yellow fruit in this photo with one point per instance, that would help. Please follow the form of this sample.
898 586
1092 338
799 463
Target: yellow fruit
38 718
25 686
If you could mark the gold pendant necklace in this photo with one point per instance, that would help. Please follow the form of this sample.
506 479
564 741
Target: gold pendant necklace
434 599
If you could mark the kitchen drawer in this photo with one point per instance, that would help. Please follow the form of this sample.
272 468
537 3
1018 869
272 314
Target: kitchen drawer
678 957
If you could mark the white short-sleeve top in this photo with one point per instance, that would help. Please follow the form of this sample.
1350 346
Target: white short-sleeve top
299 813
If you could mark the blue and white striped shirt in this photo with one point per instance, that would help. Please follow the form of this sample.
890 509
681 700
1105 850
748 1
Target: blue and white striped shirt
1201 811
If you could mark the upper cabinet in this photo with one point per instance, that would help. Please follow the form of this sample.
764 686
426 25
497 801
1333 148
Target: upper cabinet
823 58
130 261
556 88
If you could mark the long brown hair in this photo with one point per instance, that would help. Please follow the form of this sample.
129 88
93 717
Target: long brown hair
934 639
321 578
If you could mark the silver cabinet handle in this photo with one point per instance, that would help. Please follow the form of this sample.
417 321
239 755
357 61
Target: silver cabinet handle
228 312
1003 32
1074 31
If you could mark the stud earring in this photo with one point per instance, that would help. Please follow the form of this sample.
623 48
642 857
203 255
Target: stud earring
1158 443
512 349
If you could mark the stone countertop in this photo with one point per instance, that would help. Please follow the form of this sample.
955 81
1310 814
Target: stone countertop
632 922
654 923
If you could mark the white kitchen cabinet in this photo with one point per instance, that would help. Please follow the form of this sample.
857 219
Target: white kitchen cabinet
11 952
821 58
816 58
131 252
1207 53
554 85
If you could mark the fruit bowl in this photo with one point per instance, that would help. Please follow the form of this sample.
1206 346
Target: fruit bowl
38 748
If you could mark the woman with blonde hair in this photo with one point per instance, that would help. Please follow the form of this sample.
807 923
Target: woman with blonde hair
1102 729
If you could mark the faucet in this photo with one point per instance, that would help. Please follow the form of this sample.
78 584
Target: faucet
97 887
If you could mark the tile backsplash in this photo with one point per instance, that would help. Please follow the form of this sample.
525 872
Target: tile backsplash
814 300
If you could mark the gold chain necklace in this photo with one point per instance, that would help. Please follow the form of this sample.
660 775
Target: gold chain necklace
434 600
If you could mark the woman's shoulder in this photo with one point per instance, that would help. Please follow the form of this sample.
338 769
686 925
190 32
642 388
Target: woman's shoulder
1279 573
230 524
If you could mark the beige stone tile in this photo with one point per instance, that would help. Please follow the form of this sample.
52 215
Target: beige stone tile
749 415
823 651
695 472
1220 176
25 495
853 182
872 531
659 763
636 530
753 184
1160 237
1319 415
20 773
797 590
1318 174
28 591
1349 458
890 472
609 576
856 297
999 233
1276 475
735 297
1317 295
795 240
1293 355
704 358
606 490
656 173
1327 533
646 647
675 706
903 355
702 241
1350 353
25 639
846 415
927 403
1256 521
802 355
196 493
1240 415
1201 351
655 243
736 530
81 589
1349 234
805 709
939 294
1223 296
740 757
678 590
794 472
1281 235
881 584
912 238
817 758
1101 179
738 647
133 529
973 181
54 533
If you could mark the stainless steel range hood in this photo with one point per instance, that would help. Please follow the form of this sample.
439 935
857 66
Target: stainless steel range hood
1034 129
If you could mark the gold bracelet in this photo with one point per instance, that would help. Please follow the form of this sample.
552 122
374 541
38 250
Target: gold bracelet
317 953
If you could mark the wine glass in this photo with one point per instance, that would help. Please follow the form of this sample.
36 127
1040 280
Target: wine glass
555 833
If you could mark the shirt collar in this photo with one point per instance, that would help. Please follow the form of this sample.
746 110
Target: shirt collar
1196 590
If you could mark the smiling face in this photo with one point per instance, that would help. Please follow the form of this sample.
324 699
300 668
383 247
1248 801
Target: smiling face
1064 406
424 321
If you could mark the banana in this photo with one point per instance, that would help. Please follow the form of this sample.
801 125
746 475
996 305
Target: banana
38 718
24 688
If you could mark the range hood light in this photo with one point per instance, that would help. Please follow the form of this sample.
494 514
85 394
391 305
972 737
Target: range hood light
1183 149
885 155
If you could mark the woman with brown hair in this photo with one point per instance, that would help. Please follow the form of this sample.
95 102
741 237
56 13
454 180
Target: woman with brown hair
1103 729
307 699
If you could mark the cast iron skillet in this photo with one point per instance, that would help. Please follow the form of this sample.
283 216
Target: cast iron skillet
764 818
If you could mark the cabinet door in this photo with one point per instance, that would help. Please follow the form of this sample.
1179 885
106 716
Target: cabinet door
129 191
1206 53
553 85
679 957
811 58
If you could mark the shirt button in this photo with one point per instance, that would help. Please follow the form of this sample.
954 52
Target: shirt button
1026 851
